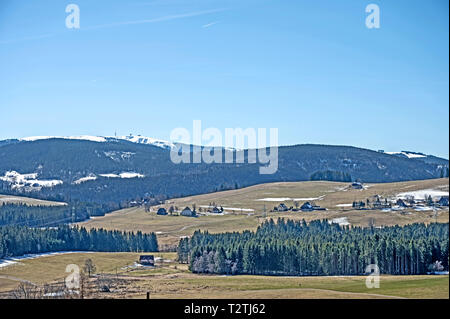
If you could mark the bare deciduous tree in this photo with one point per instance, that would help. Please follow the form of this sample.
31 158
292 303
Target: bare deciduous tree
89 266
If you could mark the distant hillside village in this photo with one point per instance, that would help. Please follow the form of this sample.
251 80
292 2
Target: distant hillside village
409 201
376 202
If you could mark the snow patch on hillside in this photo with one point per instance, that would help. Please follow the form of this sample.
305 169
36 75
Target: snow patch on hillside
342 221
123 175
282 199
139 139
407 154
80 137
14 260
117 156
422 194
234 209
28 181
90 177
274 199
344 205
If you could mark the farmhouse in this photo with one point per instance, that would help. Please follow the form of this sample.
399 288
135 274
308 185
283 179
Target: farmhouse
147 260
378 204
307 207
216 210
359 205
443 201
282 208
357 185
401 203
188 212
161 211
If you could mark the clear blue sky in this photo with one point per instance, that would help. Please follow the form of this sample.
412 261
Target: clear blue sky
310 68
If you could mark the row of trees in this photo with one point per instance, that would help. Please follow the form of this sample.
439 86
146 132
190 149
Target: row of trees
21 240
46 216
334 176
40 216
318 248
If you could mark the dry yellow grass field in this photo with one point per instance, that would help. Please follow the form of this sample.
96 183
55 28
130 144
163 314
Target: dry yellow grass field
169 229
10 199
170 279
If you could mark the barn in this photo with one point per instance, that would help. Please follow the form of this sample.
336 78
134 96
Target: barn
307 207
188 212
147 260
161 211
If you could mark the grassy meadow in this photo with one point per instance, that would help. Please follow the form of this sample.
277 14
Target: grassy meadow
169 229
170 279
173 280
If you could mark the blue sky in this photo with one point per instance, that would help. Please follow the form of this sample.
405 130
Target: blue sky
310 68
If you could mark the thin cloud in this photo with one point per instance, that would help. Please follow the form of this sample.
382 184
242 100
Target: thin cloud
155 20
117 24
209 24
36 37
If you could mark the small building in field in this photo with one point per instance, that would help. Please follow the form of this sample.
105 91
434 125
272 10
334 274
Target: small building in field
359 205
357 185
161 211
147 260
217 210
307 207
282 208
188 212
134 203
400 202
378 204
443 201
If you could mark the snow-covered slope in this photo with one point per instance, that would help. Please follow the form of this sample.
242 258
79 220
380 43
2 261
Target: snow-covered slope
28 181
81 137
146 140
407 154
139 139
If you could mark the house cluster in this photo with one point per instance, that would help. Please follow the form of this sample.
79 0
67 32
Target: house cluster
376 202
305 207
147 260
188 212
411 202
212 208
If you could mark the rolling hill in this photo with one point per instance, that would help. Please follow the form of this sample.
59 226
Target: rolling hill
247 208
103 170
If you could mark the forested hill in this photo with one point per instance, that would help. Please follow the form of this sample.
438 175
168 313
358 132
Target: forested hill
22 240
318 248
120 170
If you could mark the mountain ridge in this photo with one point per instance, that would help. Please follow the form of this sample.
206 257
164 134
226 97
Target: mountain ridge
140 139
121 170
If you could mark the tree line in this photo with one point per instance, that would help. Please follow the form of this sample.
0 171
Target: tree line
40 216
21 240
45 216
444 172
333 176
289 247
